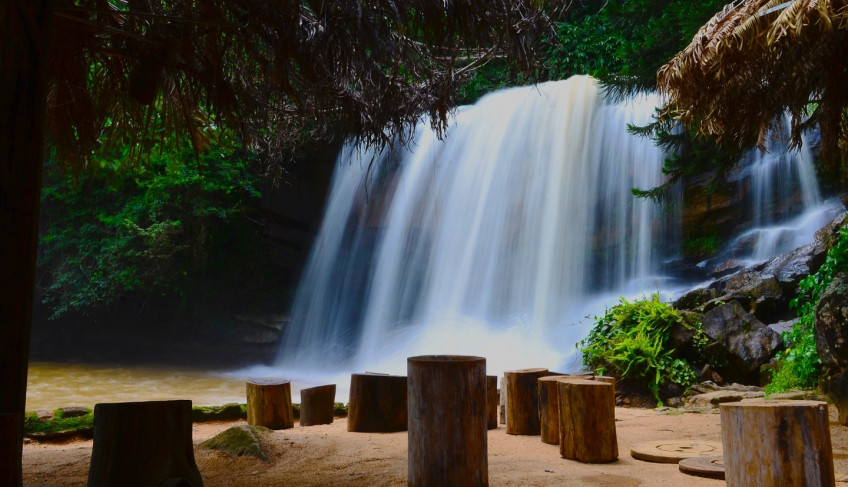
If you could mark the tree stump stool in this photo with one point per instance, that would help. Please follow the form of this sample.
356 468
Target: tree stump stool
492 401
143 444
587 421
269 404
549 408
522 401
448 411
317 404
378 403
502 401
777 443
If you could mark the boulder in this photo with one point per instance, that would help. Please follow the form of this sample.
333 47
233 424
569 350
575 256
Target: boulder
240 441
832 324
748 342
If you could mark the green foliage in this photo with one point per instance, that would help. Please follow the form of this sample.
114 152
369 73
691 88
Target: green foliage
148 231
59 423
632 342
799 366
704 246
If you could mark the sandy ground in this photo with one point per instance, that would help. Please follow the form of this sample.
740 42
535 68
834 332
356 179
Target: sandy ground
331 456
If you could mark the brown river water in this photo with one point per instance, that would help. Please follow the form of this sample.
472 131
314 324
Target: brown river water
56 385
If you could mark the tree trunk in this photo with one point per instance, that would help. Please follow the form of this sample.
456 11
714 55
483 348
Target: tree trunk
269 404
448 411
316 405
502 401
492 401
24 41
140 444
378 403
777 443
522 397
549 408
587 421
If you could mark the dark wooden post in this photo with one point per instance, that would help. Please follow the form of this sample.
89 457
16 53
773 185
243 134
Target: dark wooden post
378 403
522 397
269 404
448 411
143 444
587 421
24 42
316 405
777 443
492 401
549 408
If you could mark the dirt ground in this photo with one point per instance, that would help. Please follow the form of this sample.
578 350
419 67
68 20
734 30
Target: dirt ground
331 456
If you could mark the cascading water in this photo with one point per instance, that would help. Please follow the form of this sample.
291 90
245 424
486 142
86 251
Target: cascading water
493 241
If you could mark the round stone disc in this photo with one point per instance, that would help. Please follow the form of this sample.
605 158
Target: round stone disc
711 467
672 451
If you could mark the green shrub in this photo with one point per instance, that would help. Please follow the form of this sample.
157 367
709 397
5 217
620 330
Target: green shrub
799 366
632 342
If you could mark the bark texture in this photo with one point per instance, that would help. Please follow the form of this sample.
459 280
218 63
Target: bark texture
143 444
448 410
791 445
269 404
378 403
24 40
316 405
587 421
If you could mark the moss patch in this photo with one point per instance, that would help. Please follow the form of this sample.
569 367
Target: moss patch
58 424
240 441
227 412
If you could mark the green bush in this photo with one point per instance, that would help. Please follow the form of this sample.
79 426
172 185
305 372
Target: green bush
799 366
632 343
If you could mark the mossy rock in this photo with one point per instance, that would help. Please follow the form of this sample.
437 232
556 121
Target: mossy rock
239 441
227 412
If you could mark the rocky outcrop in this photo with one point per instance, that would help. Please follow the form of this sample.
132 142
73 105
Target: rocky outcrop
832 324
749 343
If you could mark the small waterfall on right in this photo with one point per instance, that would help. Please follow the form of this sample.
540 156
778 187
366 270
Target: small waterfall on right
785 202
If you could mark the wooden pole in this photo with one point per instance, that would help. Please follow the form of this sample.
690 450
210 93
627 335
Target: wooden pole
143 444
448 411
549 408
316 405
492 401
777 443
378 403
24 61
522 397
269 404
587 421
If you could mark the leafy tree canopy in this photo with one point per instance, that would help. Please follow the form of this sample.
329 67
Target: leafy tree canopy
277 72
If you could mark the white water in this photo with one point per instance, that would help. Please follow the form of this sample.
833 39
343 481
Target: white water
495 242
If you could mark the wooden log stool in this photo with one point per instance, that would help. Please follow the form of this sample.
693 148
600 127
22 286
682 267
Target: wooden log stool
492 402
143 444
587 421
522 401
317 404
549 408
780 442
269 404
378 403
448 416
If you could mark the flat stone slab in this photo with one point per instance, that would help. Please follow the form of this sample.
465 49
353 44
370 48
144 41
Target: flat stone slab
673 451
714 398
710 467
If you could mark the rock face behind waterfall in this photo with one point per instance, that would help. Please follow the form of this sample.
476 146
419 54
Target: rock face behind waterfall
744 312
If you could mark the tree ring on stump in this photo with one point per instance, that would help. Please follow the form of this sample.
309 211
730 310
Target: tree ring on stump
673 451
710 467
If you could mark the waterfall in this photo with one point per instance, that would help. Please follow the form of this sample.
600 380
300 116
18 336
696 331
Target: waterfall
495 241
784 199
